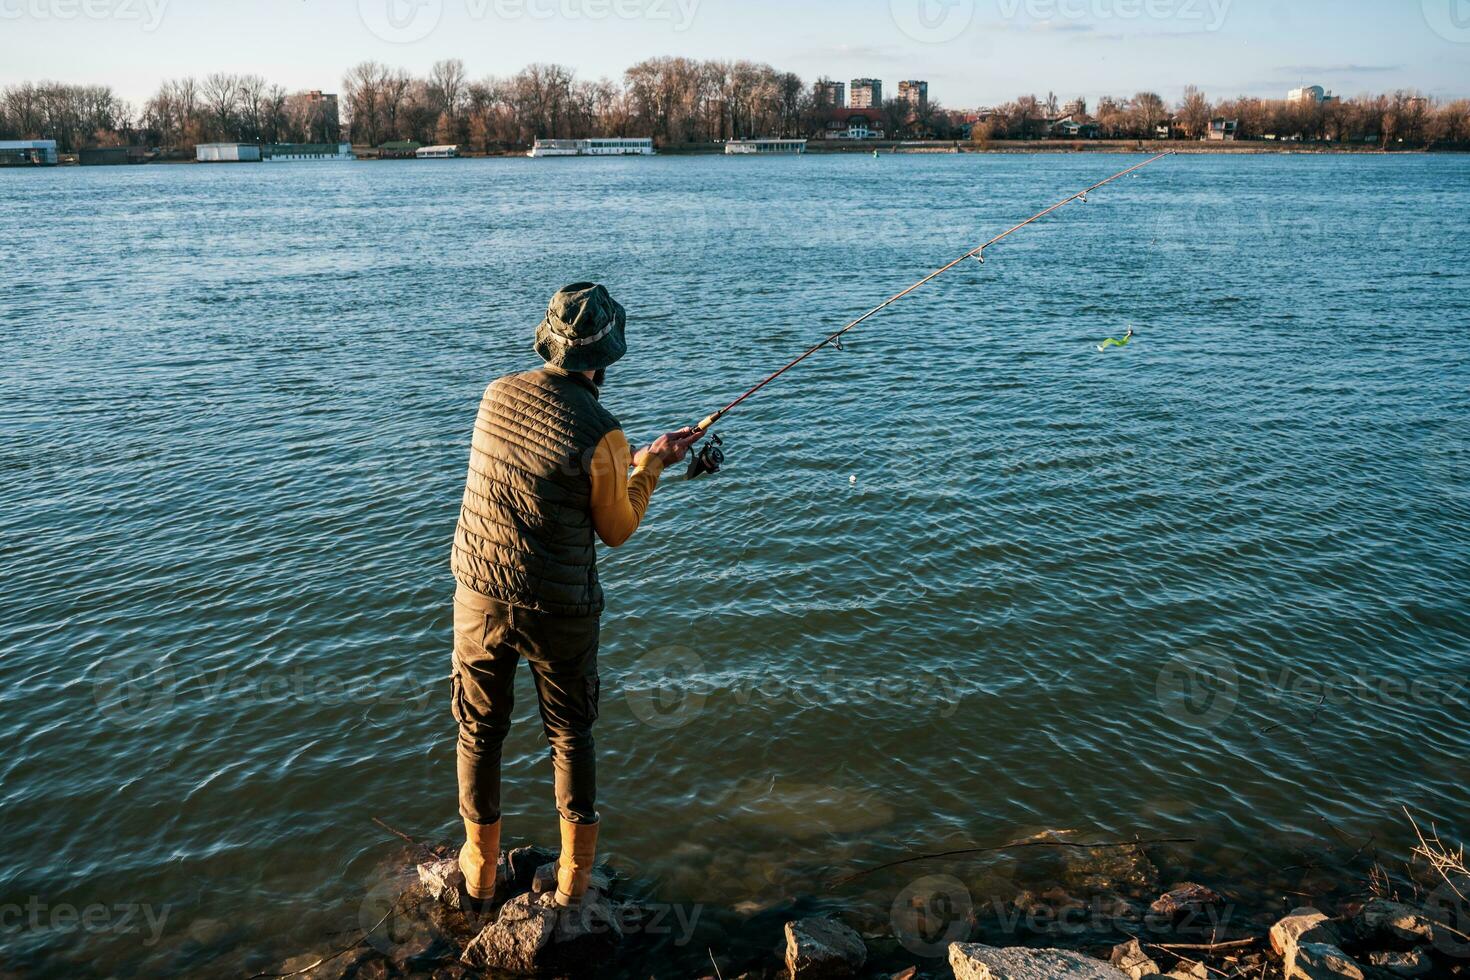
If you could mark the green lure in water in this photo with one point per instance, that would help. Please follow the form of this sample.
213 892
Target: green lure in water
1115 342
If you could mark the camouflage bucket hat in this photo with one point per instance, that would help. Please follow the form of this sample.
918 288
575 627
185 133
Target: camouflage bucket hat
583 329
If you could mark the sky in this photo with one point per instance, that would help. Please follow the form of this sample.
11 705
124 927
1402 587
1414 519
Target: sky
972 52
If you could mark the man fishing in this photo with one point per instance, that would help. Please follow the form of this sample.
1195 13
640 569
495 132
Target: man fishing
549 468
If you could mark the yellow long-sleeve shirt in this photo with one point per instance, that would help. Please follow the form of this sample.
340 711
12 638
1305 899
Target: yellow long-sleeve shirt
619 500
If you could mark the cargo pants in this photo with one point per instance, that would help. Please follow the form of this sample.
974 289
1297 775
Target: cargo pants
490 638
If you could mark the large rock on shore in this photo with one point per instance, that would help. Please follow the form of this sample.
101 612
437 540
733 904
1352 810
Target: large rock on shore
1303 925
972 961
533 935
1381 917
1132 960
443 881
1321 961
817 948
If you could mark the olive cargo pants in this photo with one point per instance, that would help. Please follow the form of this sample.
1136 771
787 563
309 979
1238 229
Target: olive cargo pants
490 638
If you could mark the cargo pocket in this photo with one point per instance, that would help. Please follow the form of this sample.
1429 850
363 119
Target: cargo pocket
594 692
456 698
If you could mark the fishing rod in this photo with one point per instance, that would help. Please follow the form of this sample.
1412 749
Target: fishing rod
709 459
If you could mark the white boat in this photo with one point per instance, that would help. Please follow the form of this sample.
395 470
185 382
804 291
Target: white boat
734 147
605 146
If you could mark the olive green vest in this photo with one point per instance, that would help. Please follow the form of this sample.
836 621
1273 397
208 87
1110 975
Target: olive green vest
525 525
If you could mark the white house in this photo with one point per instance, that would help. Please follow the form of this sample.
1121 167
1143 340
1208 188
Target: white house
436 152
28 153
227 153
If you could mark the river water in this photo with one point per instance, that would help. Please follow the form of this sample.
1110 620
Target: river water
962 582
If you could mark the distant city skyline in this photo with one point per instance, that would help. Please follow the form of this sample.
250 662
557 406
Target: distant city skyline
971 52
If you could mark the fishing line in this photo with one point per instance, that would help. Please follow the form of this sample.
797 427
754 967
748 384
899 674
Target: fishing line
712 455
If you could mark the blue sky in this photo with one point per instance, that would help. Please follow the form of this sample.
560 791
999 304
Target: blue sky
973 52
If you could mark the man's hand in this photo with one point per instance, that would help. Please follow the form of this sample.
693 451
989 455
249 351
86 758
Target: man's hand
672 446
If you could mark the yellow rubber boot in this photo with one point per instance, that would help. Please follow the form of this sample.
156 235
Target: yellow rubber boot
478 858
574 867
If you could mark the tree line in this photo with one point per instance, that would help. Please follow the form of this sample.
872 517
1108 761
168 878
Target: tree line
1401 117
673 100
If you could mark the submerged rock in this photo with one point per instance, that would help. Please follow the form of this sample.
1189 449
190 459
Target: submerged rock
1096 869
1322 961
1132 960
823 948
972 961
1186 899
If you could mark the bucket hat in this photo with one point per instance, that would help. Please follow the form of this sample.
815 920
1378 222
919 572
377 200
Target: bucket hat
583 329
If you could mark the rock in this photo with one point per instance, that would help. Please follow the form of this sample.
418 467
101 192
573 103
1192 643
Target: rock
1094 869
1186 899
532 934
972 961
1410 964
443 880
521 864
1322 961
1381 916
545 880
1193 971
1303 925
1132 960
823 948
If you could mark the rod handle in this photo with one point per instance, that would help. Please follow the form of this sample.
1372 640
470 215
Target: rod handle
704 425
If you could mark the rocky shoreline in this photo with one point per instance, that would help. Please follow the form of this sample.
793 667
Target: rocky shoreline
1126 925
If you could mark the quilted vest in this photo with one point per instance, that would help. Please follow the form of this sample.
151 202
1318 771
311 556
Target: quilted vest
525 532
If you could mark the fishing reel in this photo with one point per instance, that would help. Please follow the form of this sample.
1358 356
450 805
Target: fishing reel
709 459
